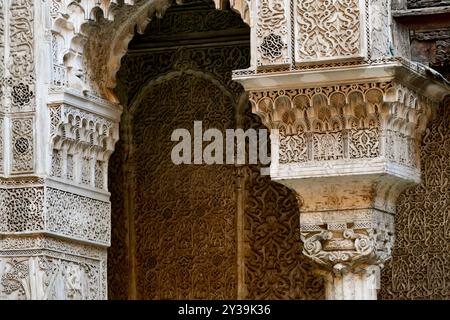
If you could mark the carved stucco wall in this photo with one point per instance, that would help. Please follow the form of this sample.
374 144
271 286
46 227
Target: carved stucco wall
175 228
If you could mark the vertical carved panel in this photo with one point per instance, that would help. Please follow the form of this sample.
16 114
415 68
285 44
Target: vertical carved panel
21 209
21 56
2 134
275 267
22 145
381 44
327 29
2 55
183 242
118 253
420 265
184 217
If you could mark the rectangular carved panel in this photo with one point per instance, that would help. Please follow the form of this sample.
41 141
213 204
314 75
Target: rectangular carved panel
41 268
21 56
2 56
21 209
77 216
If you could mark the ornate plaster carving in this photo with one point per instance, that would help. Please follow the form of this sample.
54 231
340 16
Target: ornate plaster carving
420 266
96 37
328 29
273 33
348 150
82 143
2 55
40 267
21 209
77 217
345 122
22 145
21 62
2 134
344 241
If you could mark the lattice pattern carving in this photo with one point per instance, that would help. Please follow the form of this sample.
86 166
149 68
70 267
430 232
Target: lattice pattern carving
275 268
172 264
21 209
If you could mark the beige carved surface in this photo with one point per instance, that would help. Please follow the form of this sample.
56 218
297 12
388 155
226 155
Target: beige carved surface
39 268
350 122
420 265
